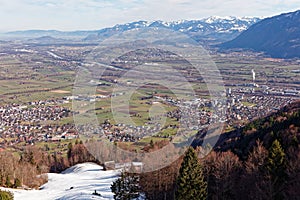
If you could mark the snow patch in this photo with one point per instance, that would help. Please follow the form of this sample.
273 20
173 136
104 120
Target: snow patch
77 182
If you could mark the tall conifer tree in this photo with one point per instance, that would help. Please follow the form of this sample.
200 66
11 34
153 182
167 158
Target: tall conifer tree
276 167
191 183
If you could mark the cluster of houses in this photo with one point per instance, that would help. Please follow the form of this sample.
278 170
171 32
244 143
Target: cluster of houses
38 121
34 122
251 88
196 114
135 167
127 133
242 109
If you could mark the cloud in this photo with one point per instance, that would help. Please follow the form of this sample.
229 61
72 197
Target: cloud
95 14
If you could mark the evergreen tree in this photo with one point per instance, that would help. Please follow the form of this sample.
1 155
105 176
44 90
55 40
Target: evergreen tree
8 182
17 183
126 187
191 183
6 195
151 144
276 160
276 168
69 153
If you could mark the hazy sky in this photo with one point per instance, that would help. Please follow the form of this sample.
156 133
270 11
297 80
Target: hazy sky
96 14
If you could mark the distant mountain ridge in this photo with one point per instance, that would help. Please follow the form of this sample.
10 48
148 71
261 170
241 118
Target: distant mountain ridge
52 33
218 24
277 36
212 28
215 29
46 39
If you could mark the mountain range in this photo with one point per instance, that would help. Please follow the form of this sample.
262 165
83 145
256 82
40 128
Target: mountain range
211 30
277 36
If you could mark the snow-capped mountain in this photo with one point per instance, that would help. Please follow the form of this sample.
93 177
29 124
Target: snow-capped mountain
277 36
207 30
215 24
213 28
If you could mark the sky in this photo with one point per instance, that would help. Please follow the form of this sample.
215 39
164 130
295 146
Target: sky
70 15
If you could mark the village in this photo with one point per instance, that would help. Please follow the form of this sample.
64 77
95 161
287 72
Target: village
39 121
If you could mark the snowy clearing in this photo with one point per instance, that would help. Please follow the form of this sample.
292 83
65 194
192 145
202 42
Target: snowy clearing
77 182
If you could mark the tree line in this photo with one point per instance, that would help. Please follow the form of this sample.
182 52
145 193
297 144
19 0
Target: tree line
28 168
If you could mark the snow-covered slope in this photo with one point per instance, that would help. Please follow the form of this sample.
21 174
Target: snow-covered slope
77 182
